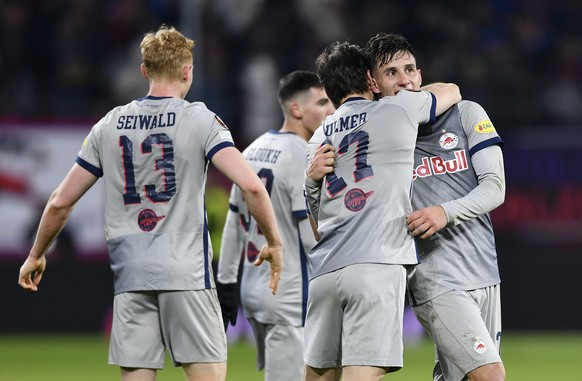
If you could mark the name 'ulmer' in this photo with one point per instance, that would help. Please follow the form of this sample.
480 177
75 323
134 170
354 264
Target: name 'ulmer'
345 123
146 122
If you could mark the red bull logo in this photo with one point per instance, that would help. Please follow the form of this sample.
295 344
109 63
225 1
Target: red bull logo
438 166
148 219
355 199
480 346
448 140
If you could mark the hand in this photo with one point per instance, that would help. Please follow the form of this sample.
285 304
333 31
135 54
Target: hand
423 223
228 298
273 255
321 163
31 272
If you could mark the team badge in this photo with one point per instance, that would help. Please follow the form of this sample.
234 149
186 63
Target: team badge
147 220
484 127
479 346
448 140
355 199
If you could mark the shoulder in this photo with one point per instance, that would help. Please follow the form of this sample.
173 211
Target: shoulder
467 106
198 108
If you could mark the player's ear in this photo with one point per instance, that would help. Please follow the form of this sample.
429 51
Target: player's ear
186 73
295 110
144 73
372 84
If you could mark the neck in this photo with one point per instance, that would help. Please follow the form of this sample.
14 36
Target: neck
296 128
367 95
172 89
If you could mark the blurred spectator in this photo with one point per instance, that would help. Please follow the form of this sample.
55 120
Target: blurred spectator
521 60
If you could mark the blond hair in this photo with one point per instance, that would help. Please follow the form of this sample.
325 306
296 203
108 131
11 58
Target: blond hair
165 53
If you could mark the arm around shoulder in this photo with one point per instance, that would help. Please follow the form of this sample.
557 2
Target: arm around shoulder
446 94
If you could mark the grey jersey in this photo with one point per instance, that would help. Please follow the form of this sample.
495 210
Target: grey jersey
363 203
153 154
279 160
462 256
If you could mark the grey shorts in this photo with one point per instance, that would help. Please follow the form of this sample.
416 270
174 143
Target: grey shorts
279 351
186 323
466 329
354 317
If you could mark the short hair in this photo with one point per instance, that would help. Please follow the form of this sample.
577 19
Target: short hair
341 68
384 47
165 52
295 83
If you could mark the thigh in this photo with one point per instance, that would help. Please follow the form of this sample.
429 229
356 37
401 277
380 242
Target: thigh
284 353
373 295
192 326
323 324
461 337
489 301
136 339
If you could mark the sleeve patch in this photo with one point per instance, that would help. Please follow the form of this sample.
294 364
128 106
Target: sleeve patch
225 135
484 127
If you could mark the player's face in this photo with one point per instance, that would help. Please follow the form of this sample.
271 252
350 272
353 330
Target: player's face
315 106
399 73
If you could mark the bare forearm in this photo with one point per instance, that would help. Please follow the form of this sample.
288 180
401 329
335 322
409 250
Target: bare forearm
52 222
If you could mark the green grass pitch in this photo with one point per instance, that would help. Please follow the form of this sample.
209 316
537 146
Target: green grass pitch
527 357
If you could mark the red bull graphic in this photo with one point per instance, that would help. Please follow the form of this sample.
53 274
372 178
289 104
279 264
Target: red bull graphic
355 199
448 140
147 220
479 346
438 166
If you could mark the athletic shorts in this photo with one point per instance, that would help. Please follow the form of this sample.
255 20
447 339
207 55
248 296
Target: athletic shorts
354 317
279 351
465 327
186 323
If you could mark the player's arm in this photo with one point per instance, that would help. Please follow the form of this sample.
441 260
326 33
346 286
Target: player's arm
320 163
485 197
446 95
228 265
233 165
54 217
488 195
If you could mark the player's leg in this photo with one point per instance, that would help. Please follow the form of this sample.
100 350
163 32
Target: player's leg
132 374
462 339
284 353
370 373
193 331
489 299
323 330
489 372
317 374
373 296
136 344
202 371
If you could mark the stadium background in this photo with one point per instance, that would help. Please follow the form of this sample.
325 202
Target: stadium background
65 63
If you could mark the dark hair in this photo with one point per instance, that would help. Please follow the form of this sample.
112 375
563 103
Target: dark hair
341 68
296 82
384 47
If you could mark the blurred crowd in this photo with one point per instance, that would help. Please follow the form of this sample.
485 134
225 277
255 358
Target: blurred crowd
76 59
